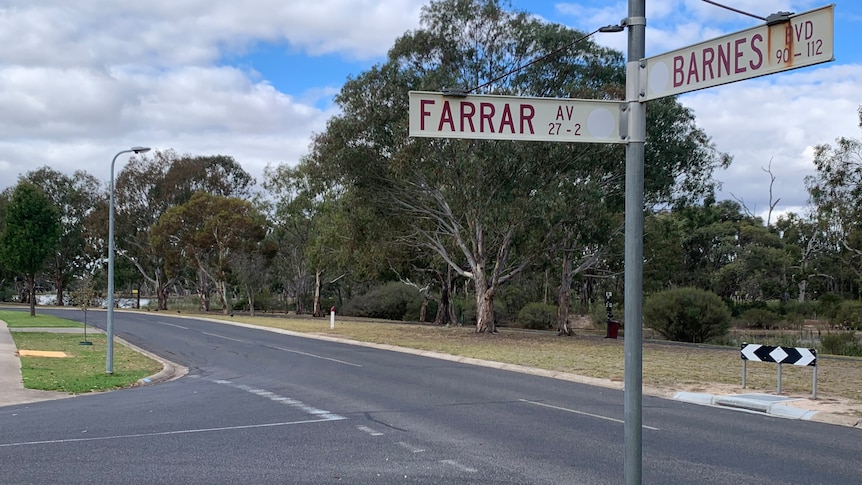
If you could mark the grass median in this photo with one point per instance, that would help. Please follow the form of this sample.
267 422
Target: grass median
82 369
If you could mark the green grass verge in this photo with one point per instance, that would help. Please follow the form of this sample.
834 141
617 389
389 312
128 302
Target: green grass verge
19 319
84 368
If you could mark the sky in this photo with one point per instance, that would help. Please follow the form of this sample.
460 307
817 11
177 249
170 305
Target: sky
81 81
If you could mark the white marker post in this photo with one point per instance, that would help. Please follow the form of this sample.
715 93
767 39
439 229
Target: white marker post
332 318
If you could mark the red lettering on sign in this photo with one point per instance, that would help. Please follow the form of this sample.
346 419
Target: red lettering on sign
806 28
708 58
446 117
468 109
461 116
486 113
678 62
423 113
506 119
737 54
527 114
755 65
724 58
692 69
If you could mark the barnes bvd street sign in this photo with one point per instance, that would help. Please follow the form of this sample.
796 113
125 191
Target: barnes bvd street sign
804 40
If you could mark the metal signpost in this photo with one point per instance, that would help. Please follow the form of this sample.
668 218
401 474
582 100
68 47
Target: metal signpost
785 42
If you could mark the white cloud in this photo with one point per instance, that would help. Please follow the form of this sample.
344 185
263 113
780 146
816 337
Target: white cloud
81 80
174 33
795 112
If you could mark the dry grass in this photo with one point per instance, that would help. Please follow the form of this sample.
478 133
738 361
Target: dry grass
666 367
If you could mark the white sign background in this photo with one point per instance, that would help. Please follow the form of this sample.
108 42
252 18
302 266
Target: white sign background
489 117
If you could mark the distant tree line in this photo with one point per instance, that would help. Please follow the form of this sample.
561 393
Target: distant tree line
444 231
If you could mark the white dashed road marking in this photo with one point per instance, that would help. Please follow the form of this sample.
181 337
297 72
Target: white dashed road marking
369 430
325 415
459 466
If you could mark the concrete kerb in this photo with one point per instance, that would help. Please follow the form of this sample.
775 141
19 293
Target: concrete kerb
170 370
748 402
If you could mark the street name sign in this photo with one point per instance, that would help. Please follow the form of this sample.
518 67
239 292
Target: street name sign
488 117
806 39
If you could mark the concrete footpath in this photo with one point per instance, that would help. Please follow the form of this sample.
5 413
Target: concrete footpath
12 389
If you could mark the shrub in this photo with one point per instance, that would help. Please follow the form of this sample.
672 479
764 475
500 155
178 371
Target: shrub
848 315
465 311
792 321
805 309
829 304
538 316
687 315
390 301
759 318
414 310
843 343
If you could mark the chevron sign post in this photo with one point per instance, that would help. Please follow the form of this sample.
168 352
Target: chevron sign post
780 355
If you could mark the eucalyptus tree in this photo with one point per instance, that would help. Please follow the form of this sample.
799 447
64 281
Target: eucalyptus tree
490 208
811 270
296 198
206 233
836 192
76 198
30 234
151 184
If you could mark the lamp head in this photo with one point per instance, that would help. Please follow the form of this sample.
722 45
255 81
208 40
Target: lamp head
140 149
611 28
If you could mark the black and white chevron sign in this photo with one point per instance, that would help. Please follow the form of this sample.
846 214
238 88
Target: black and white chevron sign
779 355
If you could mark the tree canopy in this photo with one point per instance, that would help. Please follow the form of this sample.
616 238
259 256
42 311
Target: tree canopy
30 236
489 208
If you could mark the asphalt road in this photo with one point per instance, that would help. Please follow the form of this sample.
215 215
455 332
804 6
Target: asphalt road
262 407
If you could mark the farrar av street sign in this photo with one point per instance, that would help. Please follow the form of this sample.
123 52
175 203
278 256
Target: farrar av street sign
489 117
804 40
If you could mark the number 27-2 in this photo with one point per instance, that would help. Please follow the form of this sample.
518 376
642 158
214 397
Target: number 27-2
554 129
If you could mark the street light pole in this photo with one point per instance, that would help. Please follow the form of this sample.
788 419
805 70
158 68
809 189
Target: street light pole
109 354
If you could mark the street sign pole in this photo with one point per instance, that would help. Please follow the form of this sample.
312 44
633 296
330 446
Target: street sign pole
634 220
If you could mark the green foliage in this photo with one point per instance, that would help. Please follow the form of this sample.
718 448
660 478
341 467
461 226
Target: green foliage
806 309
843 343
759 318
687 315
848 315
390 301
31 230
792 320
414 311
829 305
465 311
538 316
